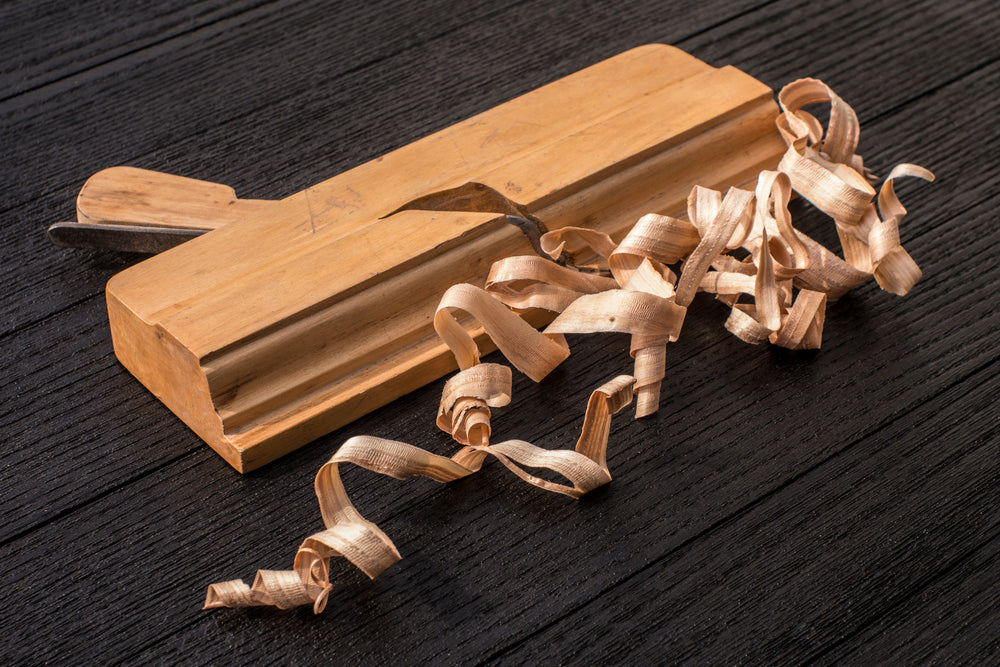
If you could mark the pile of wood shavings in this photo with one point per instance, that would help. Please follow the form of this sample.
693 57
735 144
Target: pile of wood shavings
778 293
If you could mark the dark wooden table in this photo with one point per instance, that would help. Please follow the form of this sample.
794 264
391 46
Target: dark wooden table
837 506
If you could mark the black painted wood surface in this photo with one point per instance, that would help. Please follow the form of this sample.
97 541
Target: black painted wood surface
828 507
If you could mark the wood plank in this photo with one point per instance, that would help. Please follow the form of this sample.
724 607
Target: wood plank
835 43
855 536
951 620
54 40
62 429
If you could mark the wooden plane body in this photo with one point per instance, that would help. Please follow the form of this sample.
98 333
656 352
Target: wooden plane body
290 319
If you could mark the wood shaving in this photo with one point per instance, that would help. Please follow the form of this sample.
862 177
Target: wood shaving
777 293
361 542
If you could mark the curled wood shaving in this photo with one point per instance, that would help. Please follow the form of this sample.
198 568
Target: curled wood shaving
777 291
719 222
894 269
531 352
526 282
464 411
361 542
585 248
827 171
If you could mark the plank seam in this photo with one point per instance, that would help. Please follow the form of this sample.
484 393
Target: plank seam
897 108
235 18
41 320
102 494
131 52
734 17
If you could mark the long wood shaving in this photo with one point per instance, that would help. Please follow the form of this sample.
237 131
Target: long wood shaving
739 246
529 281
532 353
361 542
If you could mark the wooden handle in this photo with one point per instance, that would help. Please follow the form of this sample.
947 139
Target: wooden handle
139 197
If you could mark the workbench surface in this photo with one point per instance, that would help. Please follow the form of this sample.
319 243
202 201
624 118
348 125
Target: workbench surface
830 506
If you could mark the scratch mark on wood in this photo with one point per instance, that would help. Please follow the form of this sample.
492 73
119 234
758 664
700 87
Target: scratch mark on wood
309 209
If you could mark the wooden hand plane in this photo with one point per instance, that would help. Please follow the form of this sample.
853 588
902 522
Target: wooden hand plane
276 322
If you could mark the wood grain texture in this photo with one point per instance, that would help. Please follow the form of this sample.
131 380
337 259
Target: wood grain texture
800 586
50 41
858 526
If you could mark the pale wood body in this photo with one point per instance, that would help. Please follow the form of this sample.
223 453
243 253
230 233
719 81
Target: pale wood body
307 313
